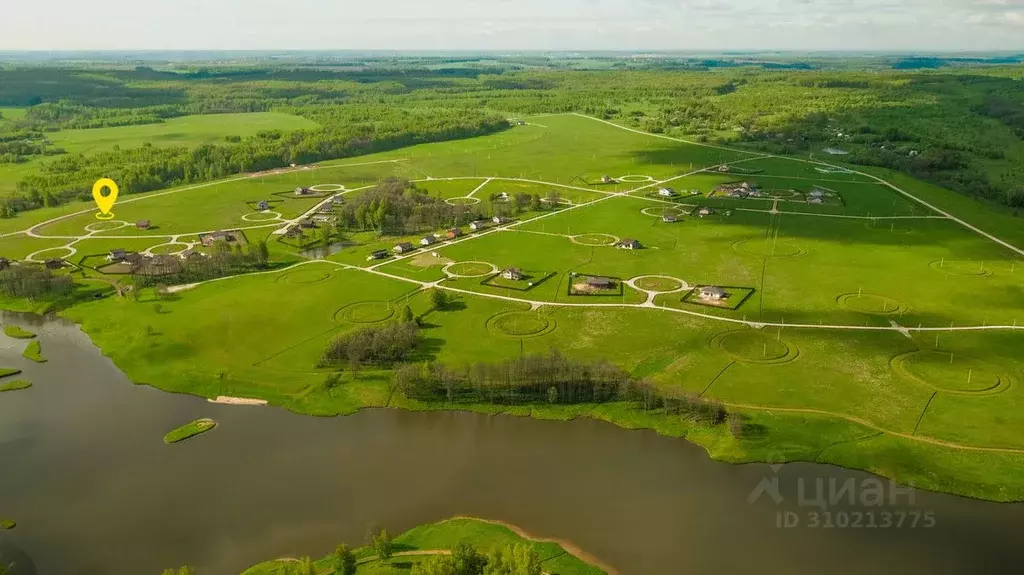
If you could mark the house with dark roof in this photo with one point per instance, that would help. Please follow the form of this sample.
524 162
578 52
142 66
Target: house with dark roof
428 241
117 255
263 206
479 225
669 218
142 224
4 263
514 274
300 191
54 263
599 282
378 255
403 248
500 220
628 244
454 233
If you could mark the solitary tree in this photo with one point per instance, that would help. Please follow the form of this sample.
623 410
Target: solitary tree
407 316
383 544
439 299
344 560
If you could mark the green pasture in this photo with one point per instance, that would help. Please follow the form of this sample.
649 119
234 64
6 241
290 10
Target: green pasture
443 536
183 131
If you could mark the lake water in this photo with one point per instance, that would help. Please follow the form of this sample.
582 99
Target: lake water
84 471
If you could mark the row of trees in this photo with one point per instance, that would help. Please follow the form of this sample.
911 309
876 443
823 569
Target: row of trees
34 282
223 260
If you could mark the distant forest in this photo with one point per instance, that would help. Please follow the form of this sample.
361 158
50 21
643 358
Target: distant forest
960 126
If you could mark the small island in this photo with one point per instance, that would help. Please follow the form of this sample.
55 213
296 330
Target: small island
15 385
8 524
34 352
18 332
193 429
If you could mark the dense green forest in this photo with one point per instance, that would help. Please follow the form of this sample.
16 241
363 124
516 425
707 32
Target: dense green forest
961 127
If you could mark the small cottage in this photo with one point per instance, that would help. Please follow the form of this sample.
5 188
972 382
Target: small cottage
628 244
599 282
403 248
428 241
669 219
514 274
454 233
142 224
499 220
300 191
666 192
54 263
378 255
477 226
263 206
712 293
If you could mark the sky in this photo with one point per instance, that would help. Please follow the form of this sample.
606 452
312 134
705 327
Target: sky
935 25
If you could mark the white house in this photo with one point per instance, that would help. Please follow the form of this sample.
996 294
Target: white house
428 241
477 226
514 274
500 220
666 192
712 293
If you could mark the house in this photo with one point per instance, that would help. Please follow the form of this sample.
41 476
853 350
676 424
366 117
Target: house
712 293
133 258
477 226
54 263
608 180
378 255
338 200
142 224
324 219
500 220
326 209
503 197
4 263
628 244
403 248
191 253
599 282
815 201
293 232
307 223
117 255
301 191
669 219
705 212
666 192
817 194
723 168
514 274
454 233
428 241
263 206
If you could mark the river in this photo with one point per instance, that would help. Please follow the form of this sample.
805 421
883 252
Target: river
84 471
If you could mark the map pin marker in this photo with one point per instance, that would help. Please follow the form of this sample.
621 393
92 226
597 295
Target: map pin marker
104 202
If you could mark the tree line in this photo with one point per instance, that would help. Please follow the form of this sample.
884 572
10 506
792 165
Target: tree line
223 260
33 282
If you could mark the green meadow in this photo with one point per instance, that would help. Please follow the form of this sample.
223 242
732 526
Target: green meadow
873 333
419 543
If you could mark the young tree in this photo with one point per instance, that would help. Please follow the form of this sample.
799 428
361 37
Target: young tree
304 566
344 560
513 560
436 565
438 299
466 560
407 315
383 545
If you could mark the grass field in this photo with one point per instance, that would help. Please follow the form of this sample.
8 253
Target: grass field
189 430
188 131
841 325
417 544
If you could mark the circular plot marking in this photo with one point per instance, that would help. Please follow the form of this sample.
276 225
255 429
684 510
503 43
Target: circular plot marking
635 179
662 211
62 252
365 312
750 346
267 216
658 284
462 201
328 188
595 239
521 324
962 268
106 226
870 303
469 269
168 248
305 277
951 373
766 248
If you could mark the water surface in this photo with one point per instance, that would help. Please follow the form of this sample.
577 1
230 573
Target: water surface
84 471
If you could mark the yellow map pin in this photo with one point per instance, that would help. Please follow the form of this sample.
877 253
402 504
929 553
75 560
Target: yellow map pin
104 202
